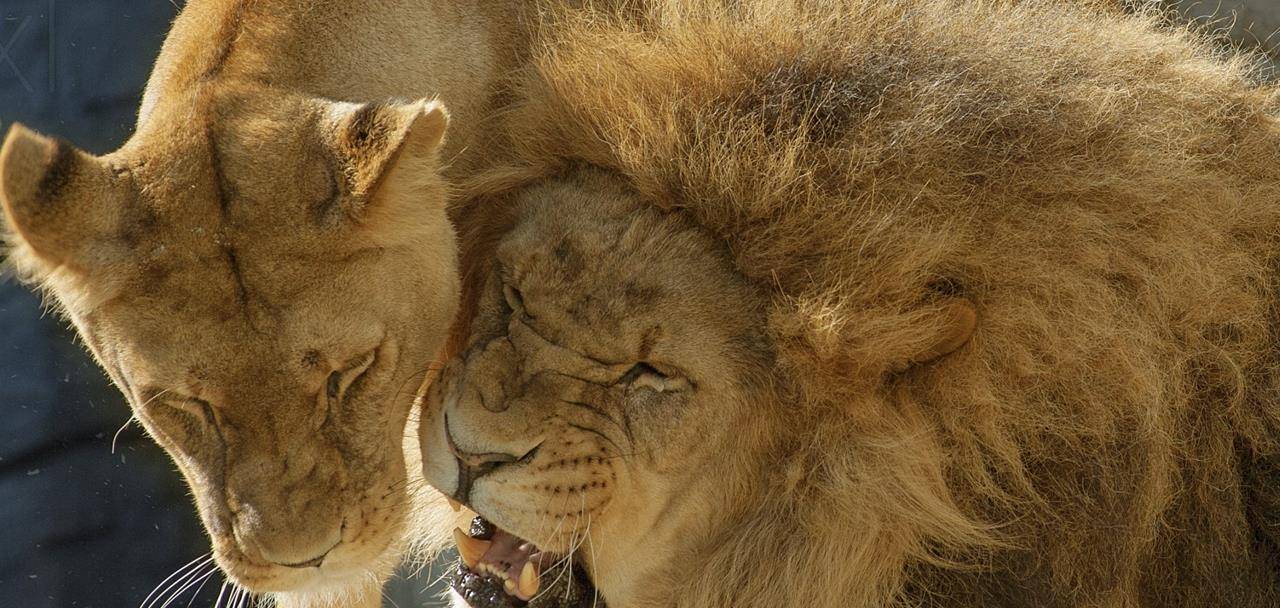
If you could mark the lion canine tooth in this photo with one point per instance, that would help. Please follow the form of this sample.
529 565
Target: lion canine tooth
509 586
528 581
471 549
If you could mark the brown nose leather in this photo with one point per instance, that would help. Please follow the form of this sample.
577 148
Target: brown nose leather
283 542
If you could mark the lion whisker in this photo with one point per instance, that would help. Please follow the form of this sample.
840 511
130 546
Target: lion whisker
208 577
247 598
116 436
433 366
562 560
198 579
178 575
591 545
573 548
221 592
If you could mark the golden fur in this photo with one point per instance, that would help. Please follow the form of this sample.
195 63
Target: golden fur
256 234
1103 191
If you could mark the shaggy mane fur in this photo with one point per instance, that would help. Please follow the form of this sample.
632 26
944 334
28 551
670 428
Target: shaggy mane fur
1104 189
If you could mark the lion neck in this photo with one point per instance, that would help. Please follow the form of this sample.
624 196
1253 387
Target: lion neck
662 536
776 521
650 547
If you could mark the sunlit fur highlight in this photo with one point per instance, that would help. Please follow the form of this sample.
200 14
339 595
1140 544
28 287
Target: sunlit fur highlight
1105 190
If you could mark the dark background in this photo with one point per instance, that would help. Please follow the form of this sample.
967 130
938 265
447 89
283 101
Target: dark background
81 524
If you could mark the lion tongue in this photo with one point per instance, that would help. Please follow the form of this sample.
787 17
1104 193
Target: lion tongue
505 556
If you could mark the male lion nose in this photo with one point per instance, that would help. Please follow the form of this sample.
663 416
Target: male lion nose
474 466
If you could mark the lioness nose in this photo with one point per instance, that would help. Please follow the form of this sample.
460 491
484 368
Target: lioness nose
285 542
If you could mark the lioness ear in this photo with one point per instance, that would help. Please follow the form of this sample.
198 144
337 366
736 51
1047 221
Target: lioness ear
47 187
372 140
956 321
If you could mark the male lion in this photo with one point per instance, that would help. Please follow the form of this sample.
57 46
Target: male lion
869 303
266 268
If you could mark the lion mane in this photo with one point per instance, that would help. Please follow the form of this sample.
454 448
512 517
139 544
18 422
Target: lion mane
1102 188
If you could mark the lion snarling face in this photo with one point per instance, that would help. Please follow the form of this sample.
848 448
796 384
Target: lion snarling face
266 283
609 394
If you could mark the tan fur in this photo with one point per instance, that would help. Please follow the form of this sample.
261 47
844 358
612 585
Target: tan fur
777 208
256 234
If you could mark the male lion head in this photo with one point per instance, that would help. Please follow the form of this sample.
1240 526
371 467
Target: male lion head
612 351
616 403
265 278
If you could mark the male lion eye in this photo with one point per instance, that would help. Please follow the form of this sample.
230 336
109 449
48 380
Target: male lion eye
645 376
638 370
515 299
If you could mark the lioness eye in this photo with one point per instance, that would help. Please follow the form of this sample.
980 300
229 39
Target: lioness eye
180 417
340 381
334 385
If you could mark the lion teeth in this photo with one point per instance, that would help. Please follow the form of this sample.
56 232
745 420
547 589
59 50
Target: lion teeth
470 549
528 582
455 505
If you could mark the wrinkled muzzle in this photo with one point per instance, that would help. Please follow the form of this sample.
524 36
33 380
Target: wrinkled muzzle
477 420
286 508
290 501
520 431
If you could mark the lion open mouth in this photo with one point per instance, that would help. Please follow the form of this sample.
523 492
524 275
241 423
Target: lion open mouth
501 570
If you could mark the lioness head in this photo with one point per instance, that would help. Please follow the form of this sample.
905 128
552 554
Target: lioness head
265 277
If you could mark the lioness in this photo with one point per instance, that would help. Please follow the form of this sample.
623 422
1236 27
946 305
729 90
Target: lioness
266 268
873 304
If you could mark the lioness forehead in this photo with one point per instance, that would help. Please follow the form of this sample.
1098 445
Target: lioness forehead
208 220
228 179
203 261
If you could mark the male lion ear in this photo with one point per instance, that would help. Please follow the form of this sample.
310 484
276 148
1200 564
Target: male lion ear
59 202
374 142
957 319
